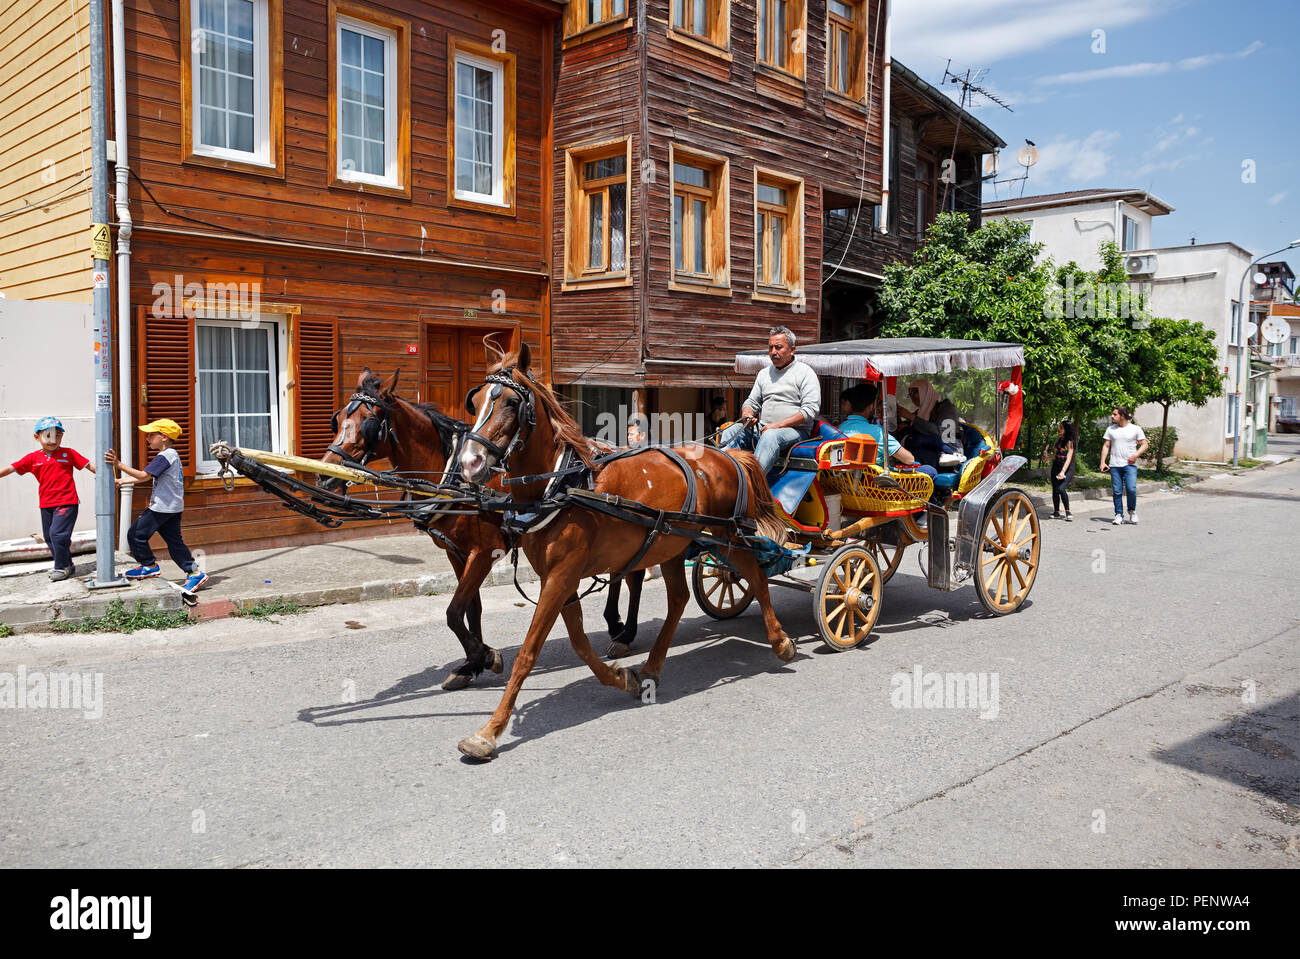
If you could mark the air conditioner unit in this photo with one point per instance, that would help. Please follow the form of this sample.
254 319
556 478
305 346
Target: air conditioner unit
1140 265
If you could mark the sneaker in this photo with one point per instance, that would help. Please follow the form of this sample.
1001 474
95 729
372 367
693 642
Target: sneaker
194 581
143 572
57 575
1056 516
1133 518
923 520
1117 521
1069 518
950 461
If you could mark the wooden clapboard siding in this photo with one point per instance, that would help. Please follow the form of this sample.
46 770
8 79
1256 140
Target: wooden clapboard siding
303 206
352 312
45 150
595 332
718 103
316 384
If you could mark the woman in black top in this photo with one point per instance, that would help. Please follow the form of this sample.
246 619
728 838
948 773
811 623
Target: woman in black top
1062 468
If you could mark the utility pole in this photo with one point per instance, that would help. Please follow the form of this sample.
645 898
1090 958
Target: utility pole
100 249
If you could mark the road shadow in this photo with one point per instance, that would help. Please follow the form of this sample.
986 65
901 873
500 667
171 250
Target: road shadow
1256 749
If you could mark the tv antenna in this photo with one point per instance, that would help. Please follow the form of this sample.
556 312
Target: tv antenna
970 89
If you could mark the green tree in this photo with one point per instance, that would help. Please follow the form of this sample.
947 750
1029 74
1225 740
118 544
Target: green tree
1177 362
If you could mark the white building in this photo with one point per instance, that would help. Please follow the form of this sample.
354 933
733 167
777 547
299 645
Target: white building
1198 282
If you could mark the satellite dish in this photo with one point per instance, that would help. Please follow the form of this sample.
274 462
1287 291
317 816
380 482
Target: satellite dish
1274 329
1260 279
991 165
1250 331
1027 156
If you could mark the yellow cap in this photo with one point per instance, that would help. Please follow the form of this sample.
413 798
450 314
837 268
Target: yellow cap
167 428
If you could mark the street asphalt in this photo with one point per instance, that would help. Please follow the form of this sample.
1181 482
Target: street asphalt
1147 713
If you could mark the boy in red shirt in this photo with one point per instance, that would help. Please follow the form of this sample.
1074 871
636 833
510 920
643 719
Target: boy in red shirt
52 465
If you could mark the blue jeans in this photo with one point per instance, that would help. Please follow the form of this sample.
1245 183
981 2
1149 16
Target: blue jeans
1124 479
166 525
769 446
57 523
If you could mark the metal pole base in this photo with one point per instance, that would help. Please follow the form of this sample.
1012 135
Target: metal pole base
92 583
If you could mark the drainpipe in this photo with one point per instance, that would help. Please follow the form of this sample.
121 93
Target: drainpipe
884 135
123 285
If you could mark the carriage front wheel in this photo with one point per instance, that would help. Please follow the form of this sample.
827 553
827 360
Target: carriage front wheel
719 591
1009 551
847 598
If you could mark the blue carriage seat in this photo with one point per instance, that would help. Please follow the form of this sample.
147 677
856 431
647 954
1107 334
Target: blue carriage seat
973 444
790 477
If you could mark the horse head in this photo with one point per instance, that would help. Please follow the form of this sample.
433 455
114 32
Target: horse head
504 408
363 428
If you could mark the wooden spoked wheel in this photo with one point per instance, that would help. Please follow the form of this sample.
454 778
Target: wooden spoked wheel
720 592
888 557
847 598
1009 552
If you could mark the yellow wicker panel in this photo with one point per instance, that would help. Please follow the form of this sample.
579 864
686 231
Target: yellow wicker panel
971 475
860 492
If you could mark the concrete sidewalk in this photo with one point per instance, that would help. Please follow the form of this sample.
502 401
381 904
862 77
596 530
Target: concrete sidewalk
383 567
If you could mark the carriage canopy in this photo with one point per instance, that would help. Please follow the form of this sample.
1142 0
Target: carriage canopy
902 356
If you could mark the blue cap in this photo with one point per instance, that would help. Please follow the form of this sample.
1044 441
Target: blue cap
48 422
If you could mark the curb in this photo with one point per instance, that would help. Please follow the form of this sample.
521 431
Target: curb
1043 500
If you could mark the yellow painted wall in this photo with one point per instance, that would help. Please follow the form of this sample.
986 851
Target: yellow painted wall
45 150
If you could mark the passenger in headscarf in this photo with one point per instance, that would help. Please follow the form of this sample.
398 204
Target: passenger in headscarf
935 424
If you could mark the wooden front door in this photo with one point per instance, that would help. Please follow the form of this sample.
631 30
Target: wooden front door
456 361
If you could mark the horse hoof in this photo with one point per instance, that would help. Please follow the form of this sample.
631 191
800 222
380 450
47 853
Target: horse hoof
618 650
477 747
457 681
631 681
785 652
497 664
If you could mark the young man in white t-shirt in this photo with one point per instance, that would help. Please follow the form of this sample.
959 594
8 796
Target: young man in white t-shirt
1125 442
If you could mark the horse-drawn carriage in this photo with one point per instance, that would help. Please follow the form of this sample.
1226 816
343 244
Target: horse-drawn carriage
524 478
884 507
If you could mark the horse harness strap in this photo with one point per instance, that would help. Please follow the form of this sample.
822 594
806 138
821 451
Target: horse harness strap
370 436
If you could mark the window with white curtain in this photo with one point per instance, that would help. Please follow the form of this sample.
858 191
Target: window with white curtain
230 112
480 139
238 374
367 102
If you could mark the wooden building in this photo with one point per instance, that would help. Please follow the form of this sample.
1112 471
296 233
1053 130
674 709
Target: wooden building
320 186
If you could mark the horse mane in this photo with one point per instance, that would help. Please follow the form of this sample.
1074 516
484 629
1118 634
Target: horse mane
445 426
566 428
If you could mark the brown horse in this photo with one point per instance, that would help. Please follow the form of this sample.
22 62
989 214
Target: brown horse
522 428
418 438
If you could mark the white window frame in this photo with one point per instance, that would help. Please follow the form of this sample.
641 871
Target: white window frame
261 154
497 196
392 167
1230 423
278 339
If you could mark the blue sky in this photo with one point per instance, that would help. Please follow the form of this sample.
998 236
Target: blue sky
1184 93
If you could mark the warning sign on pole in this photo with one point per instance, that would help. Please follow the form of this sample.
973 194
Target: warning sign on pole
99 246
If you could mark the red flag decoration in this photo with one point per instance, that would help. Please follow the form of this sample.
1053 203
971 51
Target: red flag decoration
1015 409
871 373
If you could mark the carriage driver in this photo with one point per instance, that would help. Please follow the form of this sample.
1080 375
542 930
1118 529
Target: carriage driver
784 404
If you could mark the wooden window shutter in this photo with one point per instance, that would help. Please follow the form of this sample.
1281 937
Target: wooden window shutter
165 374
317 384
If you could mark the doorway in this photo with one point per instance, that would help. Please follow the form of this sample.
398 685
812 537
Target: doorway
456 361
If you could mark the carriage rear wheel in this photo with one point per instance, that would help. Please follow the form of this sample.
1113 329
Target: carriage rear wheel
719 591
1009 552
847 598
888 557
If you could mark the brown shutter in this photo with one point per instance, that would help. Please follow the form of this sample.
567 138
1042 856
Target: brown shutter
165 365
317 387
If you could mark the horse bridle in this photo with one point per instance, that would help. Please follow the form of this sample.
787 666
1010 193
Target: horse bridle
527 413
371 435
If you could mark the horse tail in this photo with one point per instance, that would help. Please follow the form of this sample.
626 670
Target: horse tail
761 502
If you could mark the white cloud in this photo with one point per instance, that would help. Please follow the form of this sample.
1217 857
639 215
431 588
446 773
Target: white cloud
1277 198
1130 70
1071 162
986 31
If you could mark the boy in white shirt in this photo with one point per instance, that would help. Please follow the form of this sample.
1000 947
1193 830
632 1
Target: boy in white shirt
1125 442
